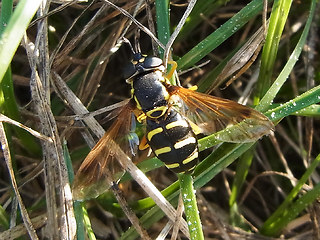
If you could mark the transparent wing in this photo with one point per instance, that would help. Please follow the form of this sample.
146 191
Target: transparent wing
212 114
95 172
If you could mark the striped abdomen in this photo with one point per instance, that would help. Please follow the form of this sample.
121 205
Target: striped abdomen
173 141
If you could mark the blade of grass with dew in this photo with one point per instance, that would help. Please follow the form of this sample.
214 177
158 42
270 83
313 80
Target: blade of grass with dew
311 111
278 18
289 208
220 35
301 102
11 35
190 206
5 14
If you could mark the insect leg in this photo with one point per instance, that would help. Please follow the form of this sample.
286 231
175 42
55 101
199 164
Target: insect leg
173 68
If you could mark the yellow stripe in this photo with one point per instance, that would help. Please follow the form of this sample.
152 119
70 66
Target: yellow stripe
184 142
154 132
191 169
138 104
193 156
179 123
197 130
161 109
162 150
174 165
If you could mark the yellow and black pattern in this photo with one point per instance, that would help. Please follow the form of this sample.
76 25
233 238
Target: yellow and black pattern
173 141
168 133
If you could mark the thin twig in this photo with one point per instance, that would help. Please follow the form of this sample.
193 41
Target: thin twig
176 226
57 186
4 118
7 157
20 230
165 231
128 211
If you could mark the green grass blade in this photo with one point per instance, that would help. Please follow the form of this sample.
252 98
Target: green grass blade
163 25
283 76
293 106
4 219
6 11
278 19
243 166
12 35
192 215
311 111
190 207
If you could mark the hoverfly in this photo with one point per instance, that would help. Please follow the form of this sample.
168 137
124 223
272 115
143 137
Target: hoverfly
173 116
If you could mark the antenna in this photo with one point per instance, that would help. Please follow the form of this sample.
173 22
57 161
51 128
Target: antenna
125 40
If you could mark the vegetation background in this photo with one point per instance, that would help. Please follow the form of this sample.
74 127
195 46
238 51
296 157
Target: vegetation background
63 61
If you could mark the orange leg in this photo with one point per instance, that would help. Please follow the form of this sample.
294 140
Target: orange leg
143 143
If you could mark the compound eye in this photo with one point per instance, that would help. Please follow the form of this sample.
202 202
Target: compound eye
129 71
152 62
